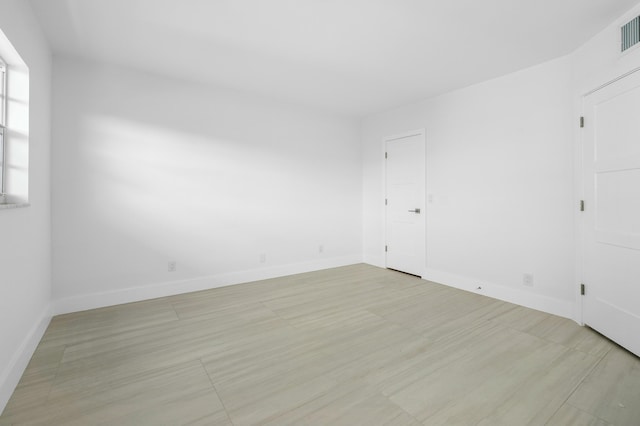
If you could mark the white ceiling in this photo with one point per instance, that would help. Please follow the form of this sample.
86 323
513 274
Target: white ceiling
351 57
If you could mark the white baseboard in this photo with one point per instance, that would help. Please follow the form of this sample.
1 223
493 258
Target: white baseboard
375 260
152 291
524 298
13 372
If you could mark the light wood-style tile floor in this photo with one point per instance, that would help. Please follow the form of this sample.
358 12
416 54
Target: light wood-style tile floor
356 345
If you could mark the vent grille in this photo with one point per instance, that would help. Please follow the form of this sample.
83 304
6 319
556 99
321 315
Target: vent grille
630 33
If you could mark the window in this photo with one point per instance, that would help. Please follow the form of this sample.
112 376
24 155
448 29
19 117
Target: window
14 127
3 115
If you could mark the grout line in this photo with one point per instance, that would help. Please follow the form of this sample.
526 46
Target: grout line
388 398
53 381
575 388
216 391
591 414
173 308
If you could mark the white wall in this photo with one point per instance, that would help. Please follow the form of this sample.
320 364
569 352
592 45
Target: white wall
503 166
596 63
25 246
599 60
500 170
148 169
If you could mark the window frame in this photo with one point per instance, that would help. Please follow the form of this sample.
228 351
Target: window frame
3 123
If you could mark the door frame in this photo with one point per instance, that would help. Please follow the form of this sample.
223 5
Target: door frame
418 132
579 195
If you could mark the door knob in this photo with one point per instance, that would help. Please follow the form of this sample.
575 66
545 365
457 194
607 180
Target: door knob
414 211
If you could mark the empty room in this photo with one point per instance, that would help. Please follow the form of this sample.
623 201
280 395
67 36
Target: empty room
306 212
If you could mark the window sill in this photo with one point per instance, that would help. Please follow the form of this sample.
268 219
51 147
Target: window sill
13 206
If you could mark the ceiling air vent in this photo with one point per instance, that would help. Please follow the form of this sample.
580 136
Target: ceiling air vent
630 33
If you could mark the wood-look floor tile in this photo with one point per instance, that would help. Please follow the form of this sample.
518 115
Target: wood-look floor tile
539 395
396 377
275 377
36 382
431 314
351 345
202 408
556 329
273 404
480 386
254 359
115 399
163 351
371 365
345 393
568 415
611 391
570 334
78 327
376 409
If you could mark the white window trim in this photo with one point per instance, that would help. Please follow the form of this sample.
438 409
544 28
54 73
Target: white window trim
3 121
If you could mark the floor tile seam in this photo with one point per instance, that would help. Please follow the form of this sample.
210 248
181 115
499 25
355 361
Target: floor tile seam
470 391
363 387
381 349
325 292
55 376
516 388
528 333
398 324
111 334
512 307
308 318
321 395
388 399
420 377
301 404
133 339
551 341
405 297
213 386
288 387
334 302
571 347
288 322
451 335
522 385
173 308
588 413
110 382
329 353
209 309
417 303
580 382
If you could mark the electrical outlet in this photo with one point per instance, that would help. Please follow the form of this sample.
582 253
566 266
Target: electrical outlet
171 267
320 248
263 257
527 279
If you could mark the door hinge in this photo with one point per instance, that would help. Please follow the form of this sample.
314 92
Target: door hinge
581 122
386 248
581 205
583 290
386 155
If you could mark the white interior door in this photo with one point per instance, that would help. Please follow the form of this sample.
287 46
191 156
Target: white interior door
405 206
611 220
